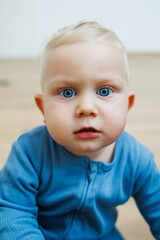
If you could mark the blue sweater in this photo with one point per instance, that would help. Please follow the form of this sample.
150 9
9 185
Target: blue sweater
47 193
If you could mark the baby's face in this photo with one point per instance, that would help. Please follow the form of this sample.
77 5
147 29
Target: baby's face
85 96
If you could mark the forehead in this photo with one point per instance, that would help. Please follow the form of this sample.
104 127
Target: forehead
84 58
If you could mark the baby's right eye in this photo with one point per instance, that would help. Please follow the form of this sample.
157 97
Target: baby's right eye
68 93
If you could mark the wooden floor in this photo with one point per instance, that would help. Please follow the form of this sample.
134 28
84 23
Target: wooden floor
19 81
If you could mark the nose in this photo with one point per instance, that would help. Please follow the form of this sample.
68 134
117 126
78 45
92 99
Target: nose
86 107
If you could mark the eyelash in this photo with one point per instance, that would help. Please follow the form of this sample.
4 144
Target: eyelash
69 93
104 92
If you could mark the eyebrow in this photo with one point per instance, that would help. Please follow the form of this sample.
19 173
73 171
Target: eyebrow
111 79
61 79
108 79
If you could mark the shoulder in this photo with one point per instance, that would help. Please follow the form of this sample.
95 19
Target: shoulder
34 138
34 146
34 134
135 161
133 154
133 146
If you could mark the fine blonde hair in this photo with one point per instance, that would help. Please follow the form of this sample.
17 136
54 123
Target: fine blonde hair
90 31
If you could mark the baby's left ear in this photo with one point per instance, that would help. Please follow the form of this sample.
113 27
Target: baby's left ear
131 99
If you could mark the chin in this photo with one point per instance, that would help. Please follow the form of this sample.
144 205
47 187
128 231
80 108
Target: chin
88 149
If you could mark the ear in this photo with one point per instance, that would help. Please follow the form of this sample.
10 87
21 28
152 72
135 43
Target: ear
131 99
39 102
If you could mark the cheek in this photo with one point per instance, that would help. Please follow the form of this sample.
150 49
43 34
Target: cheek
57 121
57 128
115 117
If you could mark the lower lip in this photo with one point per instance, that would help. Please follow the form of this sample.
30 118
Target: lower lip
87 134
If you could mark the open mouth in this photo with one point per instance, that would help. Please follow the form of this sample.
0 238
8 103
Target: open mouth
89 132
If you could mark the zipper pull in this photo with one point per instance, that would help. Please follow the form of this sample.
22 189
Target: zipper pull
89 170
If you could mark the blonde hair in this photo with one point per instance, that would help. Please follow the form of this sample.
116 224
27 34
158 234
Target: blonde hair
90 31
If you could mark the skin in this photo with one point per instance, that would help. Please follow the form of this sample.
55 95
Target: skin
89 71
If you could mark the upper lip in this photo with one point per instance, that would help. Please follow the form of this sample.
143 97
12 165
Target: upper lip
87 129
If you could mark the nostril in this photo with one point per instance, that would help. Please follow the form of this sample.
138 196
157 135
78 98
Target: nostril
86 110
86 114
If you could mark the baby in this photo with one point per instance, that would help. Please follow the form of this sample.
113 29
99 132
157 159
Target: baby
64 180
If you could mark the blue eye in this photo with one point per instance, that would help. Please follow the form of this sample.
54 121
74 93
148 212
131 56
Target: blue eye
68 93
104 92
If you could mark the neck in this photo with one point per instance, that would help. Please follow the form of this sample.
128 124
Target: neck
104 155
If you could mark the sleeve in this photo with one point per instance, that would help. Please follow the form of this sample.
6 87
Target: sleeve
18 191
147 193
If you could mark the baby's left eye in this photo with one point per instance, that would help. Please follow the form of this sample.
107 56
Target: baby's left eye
104 92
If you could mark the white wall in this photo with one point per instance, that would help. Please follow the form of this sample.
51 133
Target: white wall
25 25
